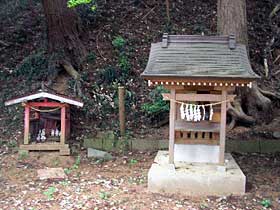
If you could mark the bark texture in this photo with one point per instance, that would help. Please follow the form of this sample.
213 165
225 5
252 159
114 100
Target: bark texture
63 31
232 19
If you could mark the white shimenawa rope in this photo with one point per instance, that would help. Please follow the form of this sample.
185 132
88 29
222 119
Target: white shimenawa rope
192 112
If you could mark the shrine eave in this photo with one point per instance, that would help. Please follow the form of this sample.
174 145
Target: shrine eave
203 81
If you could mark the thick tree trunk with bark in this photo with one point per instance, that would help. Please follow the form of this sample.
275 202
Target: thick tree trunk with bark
63 30
232 19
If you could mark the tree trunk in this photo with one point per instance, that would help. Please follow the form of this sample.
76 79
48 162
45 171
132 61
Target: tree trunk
232 19
63 29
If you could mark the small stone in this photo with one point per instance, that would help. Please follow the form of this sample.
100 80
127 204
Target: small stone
99 154
276 134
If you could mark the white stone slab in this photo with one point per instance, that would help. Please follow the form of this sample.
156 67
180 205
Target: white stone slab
196 179
51 173
196 153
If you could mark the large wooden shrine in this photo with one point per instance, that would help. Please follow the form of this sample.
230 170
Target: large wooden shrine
201 73
46 121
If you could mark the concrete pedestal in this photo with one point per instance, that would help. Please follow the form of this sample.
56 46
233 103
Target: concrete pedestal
196 179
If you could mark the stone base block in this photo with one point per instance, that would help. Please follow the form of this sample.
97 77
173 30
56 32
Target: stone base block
196 179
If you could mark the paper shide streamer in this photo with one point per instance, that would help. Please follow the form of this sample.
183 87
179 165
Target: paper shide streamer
193 112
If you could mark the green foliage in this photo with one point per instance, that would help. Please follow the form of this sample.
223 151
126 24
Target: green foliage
33 67
91 57
158 105
124 63
133 161
104 195
118 42
266 203
22 155
12 144
108 74
67 170
77 163
74 3
74 167
64 183
49 192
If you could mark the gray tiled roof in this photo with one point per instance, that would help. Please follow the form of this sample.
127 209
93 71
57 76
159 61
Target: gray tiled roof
198 56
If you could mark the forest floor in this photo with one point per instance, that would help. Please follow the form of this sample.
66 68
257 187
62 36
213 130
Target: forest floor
121 183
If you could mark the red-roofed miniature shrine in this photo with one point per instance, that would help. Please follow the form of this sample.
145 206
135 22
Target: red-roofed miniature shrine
46 121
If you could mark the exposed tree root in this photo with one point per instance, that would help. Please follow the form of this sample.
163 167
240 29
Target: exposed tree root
257 104
237 113
60 84
232 123
74 74
262 102
70 70
270 94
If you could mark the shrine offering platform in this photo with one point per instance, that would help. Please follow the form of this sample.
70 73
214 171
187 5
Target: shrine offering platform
195 179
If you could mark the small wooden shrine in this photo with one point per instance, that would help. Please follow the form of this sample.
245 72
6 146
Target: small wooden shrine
46 121
201 73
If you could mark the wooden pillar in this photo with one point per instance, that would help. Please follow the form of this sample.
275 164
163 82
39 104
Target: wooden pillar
68 114
63 124
223 127
122 110
26 124
172 114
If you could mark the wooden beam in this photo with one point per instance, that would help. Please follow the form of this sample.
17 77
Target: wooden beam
196 97
223 128
202 126
26 124
63 125
44 146
47 104
172 126
169 87
197 141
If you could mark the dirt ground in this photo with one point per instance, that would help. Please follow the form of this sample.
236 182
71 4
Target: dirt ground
121 183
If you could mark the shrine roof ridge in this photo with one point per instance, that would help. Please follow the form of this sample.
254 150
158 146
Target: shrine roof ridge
199 56
45 94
